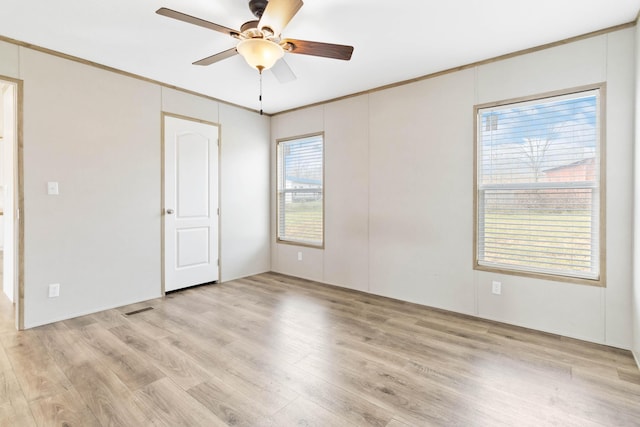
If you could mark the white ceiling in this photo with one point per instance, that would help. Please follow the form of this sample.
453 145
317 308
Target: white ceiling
394 40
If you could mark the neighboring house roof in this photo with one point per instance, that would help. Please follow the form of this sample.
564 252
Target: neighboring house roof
587 161
300 180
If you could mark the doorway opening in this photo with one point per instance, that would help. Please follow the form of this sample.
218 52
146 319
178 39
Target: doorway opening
9 208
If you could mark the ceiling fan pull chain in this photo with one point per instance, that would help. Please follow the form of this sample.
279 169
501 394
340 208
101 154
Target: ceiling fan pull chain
260 97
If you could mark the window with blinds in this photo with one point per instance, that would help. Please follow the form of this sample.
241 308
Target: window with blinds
538 203
300 190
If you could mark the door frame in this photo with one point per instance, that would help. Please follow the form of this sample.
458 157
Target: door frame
165 114
18 196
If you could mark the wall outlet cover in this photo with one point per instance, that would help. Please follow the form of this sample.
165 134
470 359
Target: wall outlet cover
496 287
52 188
54 290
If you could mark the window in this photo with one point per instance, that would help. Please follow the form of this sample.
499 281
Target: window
538 201
300 191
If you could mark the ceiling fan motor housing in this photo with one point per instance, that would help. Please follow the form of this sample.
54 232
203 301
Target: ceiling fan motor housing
257 7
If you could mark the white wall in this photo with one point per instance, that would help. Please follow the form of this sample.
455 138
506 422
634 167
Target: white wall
10 64
245 229
636 218
399 192
98 134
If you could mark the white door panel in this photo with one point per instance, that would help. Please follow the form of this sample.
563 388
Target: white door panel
193 247
191 203
192 180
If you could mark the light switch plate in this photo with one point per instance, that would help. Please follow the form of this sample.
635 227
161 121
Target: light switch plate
52 188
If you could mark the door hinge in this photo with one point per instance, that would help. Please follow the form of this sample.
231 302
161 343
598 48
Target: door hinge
218 262
218 211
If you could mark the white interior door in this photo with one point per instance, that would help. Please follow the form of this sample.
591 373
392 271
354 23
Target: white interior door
190 203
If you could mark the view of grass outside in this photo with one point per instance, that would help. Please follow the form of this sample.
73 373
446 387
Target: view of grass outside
538 239
302 221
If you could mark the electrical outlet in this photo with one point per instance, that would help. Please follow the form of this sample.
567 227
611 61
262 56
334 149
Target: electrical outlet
54 290
496 287
299 256
52 188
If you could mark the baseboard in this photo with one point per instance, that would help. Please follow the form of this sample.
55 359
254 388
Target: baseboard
636 356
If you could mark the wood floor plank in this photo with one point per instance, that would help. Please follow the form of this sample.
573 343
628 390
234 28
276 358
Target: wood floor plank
132 369
231 406
109 399
166 404
14 409
476 345
16 413
631 375
36 372
288 347
397 423
303 412
65 346
178 320
267 394
351 406
177 365
419 402
66 409
285 376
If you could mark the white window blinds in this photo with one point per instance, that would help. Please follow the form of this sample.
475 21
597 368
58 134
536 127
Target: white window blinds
538 186
300 190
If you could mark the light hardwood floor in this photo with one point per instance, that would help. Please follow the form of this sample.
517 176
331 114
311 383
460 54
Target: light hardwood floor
272 350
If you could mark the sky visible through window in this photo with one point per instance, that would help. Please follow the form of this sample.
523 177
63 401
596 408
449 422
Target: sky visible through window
542 136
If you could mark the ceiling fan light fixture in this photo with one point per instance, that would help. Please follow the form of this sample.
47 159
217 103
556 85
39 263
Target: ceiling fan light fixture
259 53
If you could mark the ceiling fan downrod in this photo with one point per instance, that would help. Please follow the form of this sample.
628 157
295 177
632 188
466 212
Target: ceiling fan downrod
257 7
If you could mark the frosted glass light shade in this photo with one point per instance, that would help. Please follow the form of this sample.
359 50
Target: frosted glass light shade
260 54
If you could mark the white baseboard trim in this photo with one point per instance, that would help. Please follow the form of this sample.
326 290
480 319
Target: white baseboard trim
636 356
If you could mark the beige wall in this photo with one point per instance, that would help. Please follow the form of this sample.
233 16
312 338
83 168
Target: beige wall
399 192
244 190
98 134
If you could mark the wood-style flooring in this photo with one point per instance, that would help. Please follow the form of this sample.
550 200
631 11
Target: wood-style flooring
272 350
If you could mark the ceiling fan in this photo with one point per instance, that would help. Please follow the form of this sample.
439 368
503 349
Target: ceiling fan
261 44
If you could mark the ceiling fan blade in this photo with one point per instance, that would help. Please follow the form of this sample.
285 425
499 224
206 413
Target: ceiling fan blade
278 13
327 50
217 57
283 72
170 13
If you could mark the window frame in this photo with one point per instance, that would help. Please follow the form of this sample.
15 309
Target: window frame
277 192
600 281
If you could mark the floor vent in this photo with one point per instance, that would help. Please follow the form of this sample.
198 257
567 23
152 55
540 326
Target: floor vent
138 311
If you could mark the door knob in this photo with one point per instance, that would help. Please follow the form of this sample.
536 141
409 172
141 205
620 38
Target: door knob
169 211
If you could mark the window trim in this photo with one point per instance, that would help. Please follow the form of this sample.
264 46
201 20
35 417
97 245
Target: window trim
277 188
601 280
